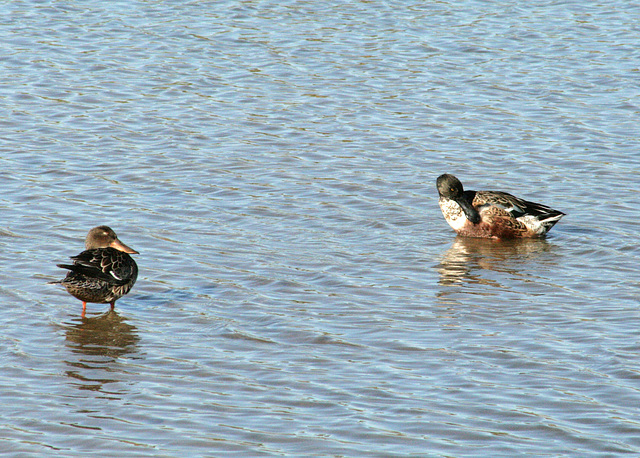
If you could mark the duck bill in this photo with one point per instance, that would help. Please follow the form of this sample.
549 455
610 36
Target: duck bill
469 210
118 245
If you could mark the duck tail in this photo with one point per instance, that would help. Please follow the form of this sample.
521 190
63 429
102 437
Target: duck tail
550 220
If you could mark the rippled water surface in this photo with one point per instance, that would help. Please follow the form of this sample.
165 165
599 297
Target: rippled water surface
300 293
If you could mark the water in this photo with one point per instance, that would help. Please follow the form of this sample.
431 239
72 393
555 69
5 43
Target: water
300 293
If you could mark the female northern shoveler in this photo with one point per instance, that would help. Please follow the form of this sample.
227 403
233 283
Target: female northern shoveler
492 214
104 272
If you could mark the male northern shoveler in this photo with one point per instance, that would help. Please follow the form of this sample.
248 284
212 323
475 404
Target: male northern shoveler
492 214
104 272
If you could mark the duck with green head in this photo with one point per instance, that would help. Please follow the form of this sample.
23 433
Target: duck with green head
492 214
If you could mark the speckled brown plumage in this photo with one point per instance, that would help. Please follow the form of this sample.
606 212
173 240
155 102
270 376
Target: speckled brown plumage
104 272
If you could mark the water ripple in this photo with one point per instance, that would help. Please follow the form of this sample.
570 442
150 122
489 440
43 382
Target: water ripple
299 292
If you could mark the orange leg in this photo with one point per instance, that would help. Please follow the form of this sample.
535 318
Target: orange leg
113 305
84 308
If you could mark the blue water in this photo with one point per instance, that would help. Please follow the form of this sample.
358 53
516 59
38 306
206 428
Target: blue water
300 293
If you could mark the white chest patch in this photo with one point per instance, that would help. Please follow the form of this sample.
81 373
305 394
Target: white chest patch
452 213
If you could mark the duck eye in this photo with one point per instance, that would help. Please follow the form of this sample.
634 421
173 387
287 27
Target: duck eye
452 189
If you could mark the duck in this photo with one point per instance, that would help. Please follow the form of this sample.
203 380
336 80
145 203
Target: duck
104 272
492 214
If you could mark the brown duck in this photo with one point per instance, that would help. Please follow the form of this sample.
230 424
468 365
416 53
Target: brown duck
104 272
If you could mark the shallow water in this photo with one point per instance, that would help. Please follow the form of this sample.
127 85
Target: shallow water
300 293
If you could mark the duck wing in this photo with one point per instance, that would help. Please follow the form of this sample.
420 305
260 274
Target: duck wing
513 205
108 264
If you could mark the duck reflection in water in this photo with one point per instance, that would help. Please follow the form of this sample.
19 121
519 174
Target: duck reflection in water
467 257
98 341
